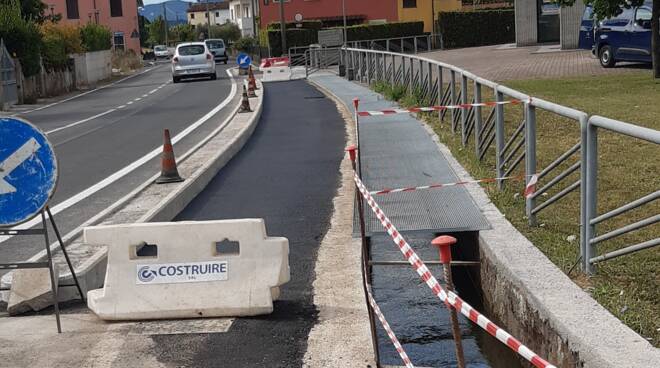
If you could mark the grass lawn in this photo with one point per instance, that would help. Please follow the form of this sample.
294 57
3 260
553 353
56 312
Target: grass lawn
628 286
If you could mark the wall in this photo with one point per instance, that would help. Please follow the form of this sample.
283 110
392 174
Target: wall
89 11
92 67
526 22
200 18
324 9
44 84
424 11
570 18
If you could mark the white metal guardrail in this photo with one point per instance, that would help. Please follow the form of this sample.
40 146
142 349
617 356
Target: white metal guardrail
514 149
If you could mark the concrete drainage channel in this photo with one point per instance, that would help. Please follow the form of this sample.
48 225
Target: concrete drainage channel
150 202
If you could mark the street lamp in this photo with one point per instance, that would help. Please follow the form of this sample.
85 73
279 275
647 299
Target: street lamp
343 12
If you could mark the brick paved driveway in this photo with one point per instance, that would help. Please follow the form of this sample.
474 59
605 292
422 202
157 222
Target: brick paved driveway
502 62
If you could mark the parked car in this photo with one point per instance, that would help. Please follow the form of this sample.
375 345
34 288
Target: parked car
586 40
192 59
218 49
626 37
161 52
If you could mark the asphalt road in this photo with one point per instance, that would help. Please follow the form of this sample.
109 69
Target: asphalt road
100 133
288 174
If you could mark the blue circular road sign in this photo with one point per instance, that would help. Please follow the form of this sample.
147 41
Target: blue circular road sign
28 171
243 60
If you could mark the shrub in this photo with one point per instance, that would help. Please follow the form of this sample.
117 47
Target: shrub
477 28
58 42
96 37
294 37
306 24
246 44
229 32
21 36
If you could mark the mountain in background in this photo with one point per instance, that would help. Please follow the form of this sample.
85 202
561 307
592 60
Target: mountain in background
176 10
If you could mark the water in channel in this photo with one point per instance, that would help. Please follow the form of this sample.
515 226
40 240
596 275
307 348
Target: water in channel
420 320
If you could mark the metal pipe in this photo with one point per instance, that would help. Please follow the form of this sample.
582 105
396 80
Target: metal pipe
626 229
444 243
499 138
343 13
590 195
514 164
625 208
464 112
65 253
404 263
452 88
635 131
631 249
513 137
477 118
514 150
557 179
51 269
556 197
530 157
559 160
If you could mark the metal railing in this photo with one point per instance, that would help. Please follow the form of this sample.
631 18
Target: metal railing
8 83
509 132
409 44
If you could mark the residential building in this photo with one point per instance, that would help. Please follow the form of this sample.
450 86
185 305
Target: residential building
242 13
217 12
426 10
330 11
119 15
543 21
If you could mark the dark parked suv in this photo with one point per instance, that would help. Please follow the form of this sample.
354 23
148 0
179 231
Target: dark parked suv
626 37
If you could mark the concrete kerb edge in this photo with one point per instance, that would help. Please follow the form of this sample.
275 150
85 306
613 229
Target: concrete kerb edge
596 336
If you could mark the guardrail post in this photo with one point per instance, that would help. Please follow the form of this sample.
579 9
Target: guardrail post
464 111
367 57
584 221
477 118
499 138
452 87
444 243
591 195
530 157
412 73
441 92
393 71
415 43
421 74
430 82
403 73
402 50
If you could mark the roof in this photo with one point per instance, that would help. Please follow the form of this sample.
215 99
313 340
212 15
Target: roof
195 8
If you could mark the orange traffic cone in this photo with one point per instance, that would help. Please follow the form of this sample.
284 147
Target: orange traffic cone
251 80
169 172
245 102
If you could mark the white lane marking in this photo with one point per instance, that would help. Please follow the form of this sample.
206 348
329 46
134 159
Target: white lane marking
131 167
80 121
145 95
14 160
137 99
121 106
129 103
153 91
83 94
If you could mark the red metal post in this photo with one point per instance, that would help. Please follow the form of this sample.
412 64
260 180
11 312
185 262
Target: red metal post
444 244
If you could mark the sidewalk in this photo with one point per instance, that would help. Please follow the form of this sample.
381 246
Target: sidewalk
502 62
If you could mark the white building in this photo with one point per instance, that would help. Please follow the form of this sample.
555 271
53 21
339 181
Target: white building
218 12
242 14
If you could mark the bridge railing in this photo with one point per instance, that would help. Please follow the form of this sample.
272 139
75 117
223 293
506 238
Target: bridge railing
505 137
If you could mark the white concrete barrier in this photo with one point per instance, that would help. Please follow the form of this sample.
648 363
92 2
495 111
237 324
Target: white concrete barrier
199 269
275 69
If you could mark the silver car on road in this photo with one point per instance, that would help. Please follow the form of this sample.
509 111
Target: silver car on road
191 60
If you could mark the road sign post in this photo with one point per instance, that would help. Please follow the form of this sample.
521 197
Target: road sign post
244 61
28 178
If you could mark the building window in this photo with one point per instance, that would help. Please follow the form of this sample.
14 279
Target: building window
72 9
217 14
115 8
409 3
118 40
192 15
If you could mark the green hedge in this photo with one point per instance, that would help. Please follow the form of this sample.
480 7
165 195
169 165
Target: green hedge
477 28
306 24
307 36
96 37
21 36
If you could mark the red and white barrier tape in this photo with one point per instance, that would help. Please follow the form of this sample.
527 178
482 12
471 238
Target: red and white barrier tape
435 186
388 329
440 108
448 297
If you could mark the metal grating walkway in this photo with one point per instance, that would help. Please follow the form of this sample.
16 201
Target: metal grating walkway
398 152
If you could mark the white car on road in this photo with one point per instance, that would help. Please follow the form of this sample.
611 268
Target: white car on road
161 52
191 60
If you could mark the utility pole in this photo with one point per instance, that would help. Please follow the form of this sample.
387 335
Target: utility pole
283 28
433 33
208 19
343 12
167 27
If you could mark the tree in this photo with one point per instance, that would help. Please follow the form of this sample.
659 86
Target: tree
610 8
157 31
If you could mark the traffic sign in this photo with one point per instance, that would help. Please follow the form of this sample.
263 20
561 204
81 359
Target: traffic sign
243 60
28 171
